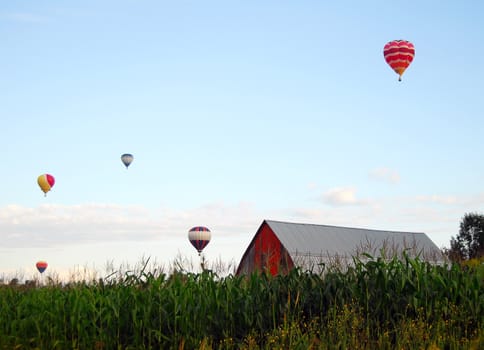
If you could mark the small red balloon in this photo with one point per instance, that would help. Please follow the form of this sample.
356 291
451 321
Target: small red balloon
41 266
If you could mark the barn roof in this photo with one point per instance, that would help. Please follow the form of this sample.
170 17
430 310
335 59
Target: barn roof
323 240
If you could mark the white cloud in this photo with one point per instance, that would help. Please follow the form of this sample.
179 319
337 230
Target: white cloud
474 202
76 235
54 225
385 175
438 199
57 225
341 196
67 236
437 215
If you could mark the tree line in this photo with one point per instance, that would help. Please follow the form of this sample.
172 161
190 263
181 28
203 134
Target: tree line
468 244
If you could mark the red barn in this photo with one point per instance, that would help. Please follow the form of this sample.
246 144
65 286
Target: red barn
280 246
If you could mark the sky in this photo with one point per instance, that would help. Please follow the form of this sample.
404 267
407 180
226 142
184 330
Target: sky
235 112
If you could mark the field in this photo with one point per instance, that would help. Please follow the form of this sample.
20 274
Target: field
396 304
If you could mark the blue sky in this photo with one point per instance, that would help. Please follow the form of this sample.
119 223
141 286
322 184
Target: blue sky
235 112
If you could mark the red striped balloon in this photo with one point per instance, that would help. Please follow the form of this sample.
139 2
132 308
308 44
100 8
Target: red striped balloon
399 54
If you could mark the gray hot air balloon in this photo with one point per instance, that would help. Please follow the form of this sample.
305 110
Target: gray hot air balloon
127 159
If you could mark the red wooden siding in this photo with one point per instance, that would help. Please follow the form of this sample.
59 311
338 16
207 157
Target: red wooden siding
265 252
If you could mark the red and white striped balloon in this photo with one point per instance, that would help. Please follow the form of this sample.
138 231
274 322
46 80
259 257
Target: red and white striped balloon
199 237
399 54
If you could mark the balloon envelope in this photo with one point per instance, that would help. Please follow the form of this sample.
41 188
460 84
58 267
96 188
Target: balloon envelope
46 182
127 159
399 54
199 237
41 266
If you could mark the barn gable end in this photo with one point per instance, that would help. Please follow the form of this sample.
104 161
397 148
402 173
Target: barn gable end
265 251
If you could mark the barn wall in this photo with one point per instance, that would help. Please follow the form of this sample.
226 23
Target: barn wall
265 253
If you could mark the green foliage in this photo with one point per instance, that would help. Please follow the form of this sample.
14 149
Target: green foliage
469 243
375 304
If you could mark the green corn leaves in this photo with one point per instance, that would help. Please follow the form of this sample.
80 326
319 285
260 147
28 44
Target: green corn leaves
376 303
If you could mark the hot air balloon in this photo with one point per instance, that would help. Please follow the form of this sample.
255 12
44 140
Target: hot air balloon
41 266
399 54
127 159
46 182
199 237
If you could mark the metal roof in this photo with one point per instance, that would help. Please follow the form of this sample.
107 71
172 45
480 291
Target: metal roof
323 240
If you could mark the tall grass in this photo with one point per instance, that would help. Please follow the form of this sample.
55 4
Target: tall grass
376 304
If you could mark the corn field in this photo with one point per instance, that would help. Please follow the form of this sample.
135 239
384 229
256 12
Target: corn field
396 304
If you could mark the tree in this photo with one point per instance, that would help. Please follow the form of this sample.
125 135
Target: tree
469 243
